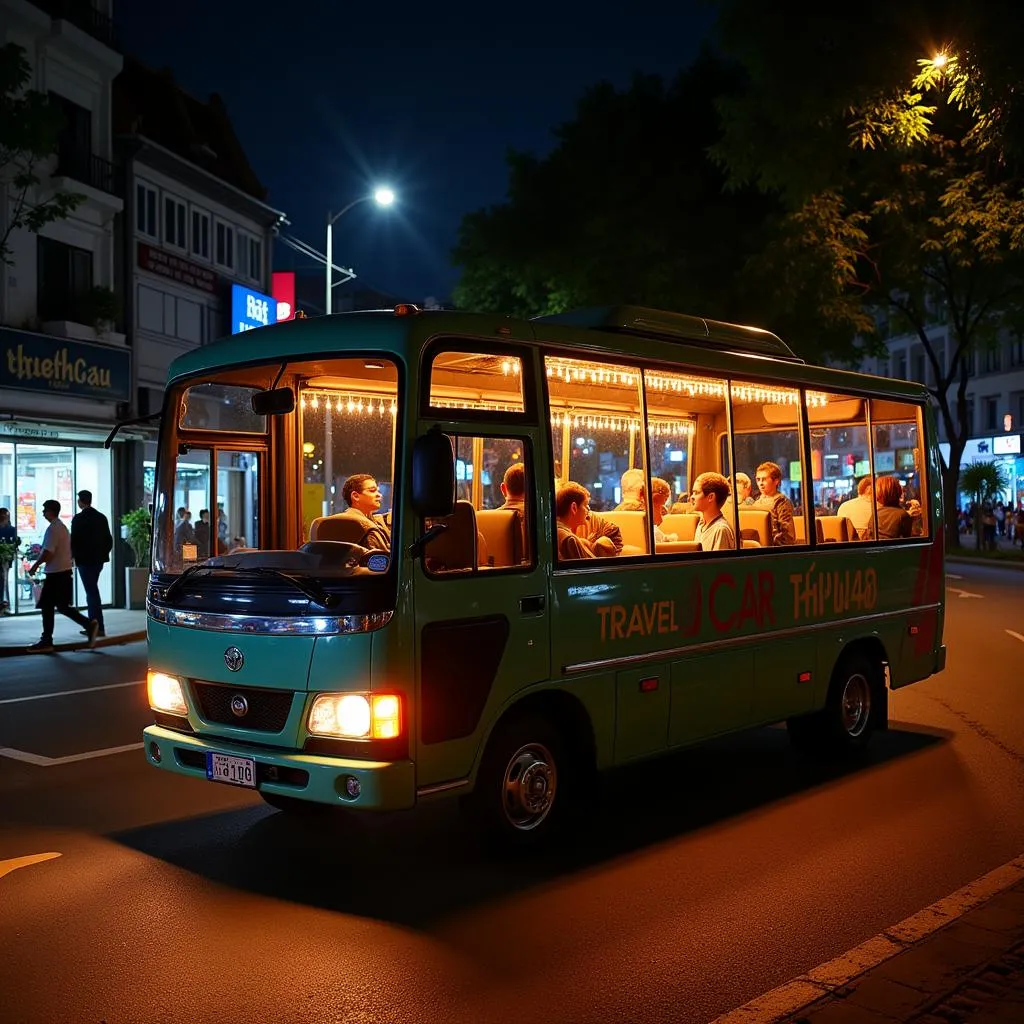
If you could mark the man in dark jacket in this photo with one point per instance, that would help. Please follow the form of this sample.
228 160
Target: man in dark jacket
90 548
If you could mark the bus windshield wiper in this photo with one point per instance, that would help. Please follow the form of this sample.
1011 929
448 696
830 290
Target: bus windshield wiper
312 589
178 581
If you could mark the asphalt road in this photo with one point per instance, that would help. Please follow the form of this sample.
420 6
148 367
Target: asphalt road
700 882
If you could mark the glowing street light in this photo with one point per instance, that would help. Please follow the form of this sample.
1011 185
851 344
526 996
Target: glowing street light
383 197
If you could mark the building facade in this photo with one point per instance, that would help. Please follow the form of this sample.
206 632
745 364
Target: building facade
194 245
65 365
995 397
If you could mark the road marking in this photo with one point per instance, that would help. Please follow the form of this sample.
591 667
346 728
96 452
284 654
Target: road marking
963 593
788 999
49 762
68 693
1016 636
7 866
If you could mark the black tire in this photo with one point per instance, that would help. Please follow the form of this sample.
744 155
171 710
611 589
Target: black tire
845 725
521 788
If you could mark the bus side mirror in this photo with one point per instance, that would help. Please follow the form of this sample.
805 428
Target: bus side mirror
277 402
433 474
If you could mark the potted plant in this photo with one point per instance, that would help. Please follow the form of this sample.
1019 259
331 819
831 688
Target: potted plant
99 307
138 532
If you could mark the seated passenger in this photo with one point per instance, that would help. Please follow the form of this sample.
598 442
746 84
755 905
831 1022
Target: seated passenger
633 496
743 488
513 488
708 496
602 535
363 498
893 521
661 493
572 503
780 508
860 511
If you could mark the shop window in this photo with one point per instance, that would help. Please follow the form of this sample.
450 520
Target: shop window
598 444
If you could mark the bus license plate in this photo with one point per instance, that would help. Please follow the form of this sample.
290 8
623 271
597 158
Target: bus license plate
236 771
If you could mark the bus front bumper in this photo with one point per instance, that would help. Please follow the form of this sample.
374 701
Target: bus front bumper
379 785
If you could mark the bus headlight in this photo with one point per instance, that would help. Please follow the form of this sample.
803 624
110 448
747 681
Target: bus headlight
356 716
166 693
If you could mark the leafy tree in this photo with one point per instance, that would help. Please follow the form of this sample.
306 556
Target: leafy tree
627 208
30 124
982 482
900 174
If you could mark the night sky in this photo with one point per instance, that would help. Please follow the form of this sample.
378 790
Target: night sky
329 98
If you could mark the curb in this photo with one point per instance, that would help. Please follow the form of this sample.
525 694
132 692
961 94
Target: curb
808 996
992 563
83 645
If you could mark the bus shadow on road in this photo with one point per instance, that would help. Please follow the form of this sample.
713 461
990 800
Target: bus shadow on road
416 868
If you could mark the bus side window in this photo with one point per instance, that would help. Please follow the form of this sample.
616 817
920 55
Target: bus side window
495 506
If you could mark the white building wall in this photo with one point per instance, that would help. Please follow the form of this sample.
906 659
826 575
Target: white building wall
174 316
67 61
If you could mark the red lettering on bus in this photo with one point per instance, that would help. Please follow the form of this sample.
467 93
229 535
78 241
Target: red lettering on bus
721 580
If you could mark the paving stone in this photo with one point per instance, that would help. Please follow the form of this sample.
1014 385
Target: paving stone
942 963
839 1011
888 997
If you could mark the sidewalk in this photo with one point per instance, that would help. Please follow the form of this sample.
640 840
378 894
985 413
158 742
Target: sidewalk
970 970
958 961
17 632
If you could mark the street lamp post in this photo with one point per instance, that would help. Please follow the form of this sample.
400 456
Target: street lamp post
382 197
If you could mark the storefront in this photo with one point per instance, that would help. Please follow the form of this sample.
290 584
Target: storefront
1005 451
60 399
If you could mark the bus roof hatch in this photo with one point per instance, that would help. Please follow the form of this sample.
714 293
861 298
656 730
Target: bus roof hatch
657 323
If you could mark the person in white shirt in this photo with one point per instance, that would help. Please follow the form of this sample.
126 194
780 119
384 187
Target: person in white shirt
708 496
57 584
860 511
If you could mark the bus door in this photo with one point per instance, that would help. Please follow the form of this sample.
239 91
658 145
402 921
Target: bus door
481 603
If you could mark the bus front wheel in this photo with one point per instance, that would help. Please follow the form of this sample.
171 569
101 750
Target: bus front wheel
845 724
519 794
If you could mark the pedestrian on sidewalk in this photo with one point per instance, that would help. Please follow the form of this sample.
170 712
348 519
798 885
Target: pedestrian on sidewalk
9 535
57 583
91 543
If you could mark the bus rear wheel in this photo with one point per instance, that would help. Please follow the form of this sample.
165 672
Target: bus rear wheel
845 724
519 796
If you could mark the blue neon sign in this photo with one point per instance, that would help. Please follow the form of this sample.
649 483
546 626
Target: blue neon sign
251 309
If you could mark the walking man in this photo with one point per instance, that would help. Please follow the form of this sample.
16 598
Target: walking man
91 543
56 555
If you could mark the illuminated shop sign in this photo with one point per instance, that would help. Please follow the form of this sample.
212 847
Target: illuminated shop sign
282 284
251 309
61 366
1007 444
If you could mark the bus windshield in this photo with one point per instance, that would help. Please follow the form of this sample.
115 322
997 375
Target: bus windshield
323 473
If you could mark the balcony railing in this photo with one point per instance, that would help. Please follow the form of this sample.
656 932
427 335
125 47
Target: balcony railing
83 15
91 170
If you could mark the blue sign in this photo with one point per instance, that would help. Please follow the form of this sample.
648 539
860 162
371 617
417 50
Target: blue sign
62 366
250 309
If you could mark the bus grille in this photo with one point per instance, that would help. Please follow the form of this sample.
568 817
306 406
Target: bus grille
267 709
